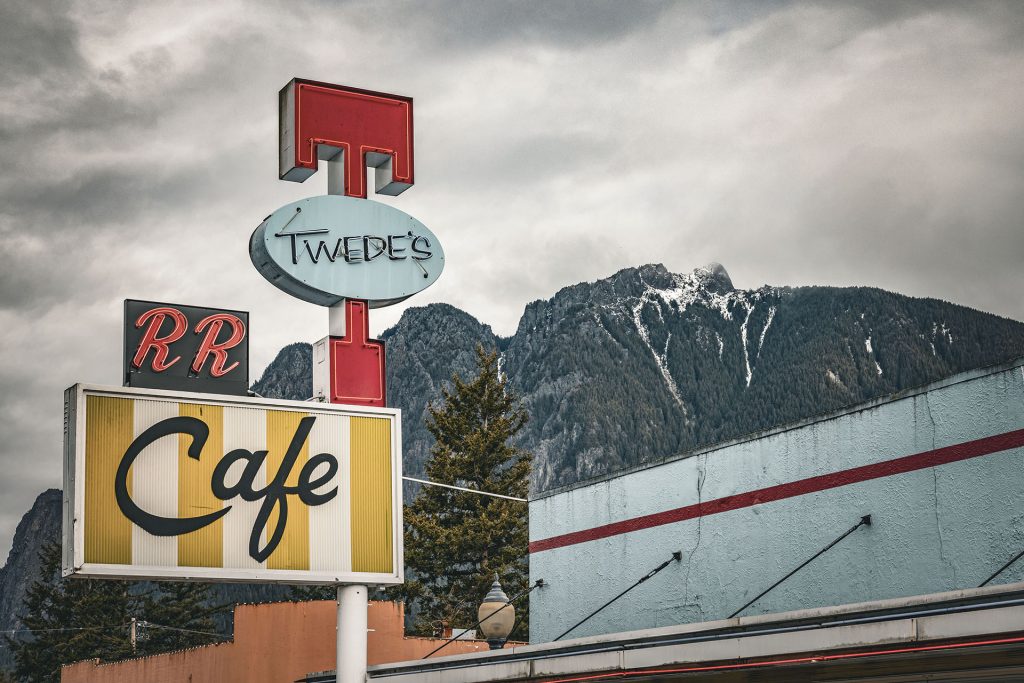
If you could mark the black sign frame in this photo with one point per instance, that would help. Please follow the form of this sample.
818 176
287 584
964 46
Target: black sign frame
178 375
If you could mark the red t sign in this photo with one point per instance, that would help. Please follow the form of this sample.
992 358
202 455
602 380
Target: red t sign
320 120
356 362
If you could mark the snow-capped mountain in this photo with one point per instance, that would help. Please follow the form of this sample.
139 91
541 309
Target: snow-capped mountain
648 363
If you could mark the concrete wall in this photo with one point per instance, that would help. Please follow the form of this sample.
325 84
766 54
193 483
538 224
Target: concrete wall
273 643
935 527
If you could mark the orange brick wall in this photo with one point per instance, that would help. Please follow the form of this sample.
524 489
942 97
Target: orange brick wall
273 643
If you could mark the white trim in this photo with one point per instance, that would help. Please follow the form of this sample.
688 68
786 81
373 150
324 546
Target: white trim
223 575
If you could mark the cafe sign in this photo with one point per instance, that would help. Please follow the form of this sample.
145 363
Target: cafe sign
173 485
330 248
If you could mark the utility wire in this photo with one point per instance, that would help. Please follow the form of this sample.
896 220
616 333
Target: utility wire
676 557
150 624
1002 569
537 584
144 624
864 521
463 488
56 630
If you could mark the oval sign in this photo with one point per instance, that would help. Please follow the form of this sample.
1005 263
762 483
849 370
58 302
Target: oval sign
326 249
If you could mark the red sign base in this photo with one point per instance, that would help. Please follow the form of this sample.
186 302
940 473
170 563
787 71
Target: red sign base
351 369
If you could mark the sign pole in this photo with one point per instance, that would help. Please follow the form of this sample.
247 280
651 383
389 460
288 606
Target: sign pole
351 129
350 665
351 647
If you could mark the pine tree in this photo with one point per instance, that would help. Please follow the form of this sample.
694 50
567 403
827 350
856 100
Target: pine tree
177 616
455 541
69 620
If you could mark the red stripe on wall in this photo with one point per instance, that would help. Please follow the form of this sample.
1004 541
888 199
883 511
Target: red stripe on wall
909 463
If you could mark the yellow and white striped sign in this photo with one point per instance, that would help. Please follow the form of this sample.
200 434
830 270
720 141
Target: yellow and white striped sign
166 485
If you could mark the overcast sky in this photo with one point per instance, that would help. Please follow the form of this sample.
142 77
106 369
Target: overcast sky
807 143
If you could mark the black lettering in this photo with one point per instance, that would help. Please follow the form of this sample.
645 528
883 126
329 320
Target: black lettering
421 254
274 495
154 524
395 252
351 255
320 248
339 248
379 243
308 487
244 486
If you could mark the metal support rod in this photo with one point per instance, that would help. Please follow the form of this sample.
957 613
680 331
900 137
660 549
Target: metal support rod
676 557
462 488
1002 569
350 664
864 521
350 658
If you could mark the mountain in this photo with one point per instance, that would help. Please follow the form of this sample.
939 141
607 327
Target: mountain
634 368
648 363
39 525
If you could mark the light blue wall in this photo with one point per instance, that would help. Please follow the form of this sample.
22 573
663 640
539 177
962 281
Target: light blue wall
933 530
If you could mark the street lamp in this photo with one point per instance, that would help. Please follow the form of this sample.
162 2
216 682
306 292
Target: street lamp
496 628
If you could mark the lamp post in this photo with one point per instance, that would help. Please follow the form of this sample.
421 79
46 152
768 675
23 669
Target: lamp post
496 628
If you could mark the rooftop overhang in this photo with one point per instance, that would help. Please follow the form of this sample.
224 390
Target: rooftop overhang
967 635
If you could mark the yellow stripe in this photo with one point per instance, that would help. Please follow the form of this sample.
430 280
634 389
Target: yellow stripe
370 476
293 551
108 433
205 547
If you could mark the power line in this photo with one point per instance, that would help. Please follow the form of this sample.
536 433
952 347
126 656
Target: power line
463 488
676 556
150 624
57 630
864 521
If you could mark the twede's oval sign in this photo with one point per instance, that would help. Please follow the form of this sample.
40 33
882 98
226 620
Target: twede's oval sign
333 247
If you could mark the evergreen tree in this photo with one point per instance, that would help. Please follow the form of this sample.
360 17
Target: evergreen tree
177 616
455 541
69 620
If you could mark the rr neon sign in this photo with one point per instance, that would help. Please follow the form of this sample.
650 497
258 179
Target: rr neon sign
186 348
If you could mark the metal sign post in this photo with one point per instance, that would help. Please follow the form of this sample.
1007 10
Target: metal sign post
353 601
371 260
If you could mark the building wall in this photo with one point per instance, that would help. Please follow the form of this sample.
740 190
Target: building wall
273 643
934 528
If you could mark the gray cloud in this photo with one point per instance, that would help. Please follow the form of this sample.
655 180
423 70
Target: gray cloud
871 143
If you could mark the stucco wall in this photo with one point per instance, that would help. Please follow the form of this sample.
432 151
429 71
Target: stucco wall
935 528
273 643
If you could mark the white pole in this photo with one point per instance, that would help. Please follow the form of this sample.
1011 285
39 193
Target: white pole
350 666
350 655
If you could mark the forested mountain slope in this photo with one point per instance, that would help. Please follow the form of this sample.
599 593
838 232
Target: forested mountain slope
647 363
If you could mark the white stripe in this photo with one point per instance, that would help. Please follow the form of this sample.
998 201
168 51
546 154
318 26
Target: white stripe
155 485
330 538
243 428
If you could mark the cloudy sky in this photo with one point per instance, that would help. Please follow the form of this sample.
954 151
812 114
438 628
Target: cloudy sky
797 143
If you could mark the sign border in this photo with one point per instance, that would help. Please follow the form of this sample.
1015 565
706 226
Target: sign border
73 531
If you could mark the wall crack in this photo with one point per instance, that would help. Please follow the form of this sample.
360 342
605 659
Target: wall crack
701 475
